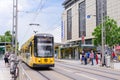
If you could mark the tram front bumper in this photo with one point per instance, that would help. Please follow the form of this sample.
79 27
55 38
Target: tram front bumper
43 65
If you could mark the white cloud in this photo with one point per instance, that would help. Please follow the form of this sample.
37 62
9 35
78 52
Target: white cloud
5 5
48 18
57 34
5 15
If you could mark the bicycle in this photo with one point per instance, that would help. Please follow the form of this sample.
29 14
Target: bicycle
14 70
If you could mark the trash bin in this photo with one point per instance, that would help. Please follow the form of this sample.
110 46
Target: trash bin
107 60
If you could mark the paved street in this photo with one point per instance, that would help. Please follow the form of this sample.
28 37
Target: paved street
67 69
72 70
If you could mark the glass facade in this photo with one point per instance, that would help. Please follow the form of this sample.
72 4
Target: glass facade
98 10
69 24
88 41
82 19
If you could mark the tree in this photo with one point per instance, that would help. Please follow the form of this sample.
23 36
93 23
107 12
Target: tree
112 32
7 37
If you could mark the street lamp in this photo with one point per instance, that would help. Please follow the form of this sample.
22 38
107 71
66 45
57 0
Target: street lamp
102 36
34 24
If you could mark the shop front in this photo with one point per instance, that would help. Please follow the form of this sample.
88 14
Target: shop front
70 52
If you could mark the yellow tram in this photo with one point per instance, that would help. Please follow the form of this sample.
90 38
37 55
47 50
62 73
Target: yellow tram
38 51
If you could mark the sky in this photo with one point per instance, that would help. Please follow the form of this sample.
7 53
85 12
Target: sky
46 13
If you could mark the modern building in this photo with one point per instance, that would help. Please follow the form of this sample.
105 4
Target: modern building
79 19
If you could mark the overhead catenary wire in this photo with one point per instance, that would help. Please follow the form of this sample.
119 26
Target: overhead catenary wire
59 20
39 9
36 12
73 15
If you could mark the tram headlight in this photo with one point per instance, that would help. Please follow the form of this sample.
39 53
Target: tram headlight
51 60
39 60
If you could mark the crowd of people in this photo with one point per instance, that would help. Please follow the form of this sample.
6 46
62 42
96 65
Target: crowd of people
89 56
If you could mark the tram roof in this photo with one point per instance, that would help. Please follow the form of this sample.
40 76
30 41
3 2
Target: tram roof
44 34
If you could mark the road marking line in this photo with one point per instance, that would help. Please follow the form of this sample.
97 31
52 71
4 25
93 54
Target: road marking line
86 76
65 69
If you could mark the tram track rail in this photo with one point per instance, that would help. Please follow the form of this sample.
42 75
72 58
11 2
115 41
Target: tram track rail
40 71
65 75
105 70
93 71
55 71
75 70
47 78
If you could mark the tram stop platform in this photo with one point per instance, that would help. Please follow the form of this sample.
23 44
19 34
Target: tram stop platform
4 71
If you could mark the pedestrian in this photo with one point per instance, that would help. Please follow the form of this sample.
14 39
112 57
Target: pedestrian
92 57
6 59
101 58
96 58
83 57
88 57
85 60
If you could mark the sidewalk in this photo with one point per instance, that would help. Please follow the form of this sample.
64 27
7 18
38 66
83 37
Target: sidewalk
78 62
4 71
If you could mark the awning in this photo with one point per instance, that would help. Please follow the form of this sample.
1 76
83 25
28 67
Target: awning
73 46
117 47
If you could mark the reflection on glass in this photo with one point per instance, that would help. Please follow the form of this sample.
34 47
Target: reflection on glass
44 49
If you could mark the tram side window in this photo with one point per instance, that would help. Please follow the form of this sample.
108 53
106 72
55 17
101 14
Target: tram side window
34 47
27 52
30 48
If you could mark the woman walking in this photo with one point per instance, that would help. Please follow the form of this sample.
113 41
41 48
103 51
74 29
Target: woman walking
92 57
6 59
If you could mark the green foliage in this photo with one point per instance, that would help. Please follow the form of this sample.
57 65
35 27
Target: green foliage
97 34
7 37
112 33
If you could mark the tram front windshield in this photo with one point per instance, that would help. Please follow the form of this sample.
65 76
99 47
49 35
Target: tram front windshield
45 47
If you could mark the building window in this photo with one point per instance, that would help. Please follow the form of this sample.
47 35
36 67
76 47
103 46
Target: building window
69 24
98 10
62 29
82 19
88 41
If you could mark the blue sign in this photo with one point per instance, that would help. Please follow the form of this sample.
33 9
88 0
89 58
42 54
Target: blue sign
88 16
62 29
